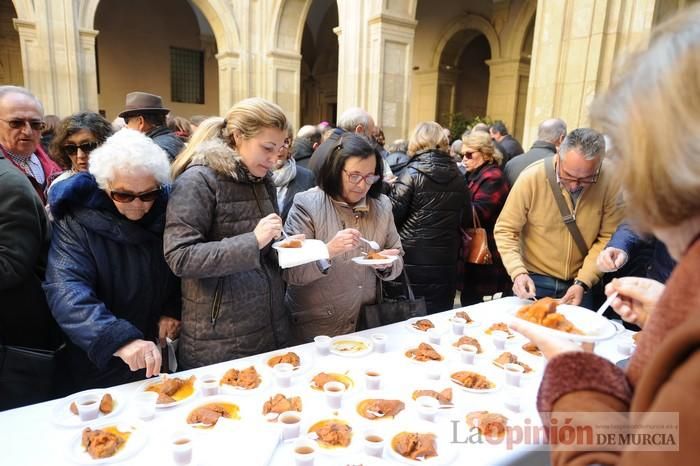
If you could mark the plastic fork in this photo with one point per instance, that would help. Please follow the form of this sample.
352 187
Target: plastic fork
372 244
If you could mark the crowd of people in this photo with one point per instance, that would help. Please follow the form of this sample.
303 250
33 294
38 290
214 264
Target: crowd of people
117 237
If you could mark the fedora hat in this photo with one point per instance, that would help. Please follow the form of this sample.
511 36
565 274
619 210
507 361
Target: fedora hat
143 102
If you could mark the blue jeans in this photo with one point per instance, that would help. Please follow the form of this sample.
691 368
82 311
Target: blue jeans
555 288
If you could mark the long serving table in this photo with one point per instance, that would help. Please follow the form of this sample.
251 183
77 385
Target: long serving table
30 435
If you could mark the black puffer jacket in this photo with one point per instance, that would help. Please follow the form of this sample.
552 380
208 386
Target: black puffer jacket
430 202
232 292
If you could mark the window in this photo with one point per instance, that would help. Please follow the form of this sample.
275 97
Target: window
187 75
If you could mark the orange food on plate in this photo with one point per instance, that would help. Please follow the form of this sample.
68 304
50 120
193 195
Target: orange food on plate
290 358
332 433
464 315
280 403
209 414
247 379
488 423
375 256
544 312
103 443
423 325
414 445
444 397
472 380
377 408
467 340
291 244
502 326
510 358
322 378
532 348
172 389
423 353
106 405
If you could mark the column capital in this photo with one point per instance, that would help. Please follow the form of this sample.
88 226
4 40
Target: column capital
393 20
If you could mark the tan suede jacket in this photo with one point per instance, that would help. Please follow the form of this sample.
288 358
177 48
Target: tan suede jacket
531 235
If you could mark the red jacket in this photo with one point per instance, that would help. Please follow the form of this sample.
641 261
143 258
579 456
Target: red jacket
50 168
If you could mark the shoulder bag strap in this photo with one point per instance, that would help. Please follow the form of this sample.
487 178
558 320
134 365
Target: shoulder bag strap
407 284
566 215
475 218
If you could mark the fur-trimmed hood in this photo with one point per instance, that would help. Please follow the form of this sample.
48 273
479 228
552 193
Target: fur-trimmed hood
224 160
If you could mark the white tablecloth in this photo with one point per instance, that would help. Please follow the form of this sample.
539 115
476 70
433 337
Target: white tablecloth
28 436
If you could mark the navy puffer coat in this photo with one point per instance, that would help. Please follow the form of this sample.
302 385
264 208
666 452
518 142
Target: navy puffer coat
107 282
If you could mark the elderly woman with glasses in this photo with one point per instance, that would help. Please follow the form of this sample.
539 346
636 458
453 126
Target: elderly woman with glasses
489 189
325 297
107 282
77 136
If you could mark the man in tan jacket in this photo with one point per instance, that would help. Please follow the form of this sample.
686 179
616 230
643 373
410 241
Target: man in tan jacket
538 250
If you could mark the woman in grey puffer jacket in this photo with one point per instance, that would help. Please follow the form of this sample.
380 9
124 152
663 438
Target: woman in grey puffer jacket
220 224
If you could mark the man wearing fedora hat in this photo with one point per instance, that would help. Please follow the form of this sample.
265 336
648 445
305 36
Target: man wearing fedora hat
144 112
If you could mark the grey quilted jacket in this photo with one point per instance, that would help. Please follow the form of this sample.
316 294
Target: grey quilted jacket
232 292
329 303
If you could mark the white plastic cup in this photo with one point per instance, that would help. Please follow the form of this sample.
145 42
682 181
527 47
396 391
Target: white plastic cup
283 374
146 405
433 371
88 407
210 385
427 407
291 424
434 336
334 391
514 374
458 325
304 453
379 340
512 399
373 443
467 353
499 339
323 344
181 446
373 379
626 346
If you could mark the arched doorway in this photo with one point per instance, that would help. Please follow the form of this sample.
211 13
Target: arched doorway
319 64
10 53
174 58
463 77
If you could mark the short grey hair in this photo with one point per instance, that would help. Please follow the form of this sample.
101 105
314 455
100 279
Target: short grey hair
400 145
131 151
551 130
352 117
588 141
7 90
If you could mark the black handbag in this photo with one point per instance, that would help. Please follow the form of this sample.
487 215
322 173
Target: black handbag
391 310
27 375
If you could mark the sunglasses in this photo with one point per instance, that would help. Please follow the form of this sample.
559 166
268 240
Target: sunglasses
17 123
469 155
125 198
86 147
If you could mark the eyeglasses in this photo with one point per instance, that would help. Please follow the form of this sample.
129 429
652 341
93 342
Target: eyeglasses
18 123
355 178
86 147
125 198
468 154
587 180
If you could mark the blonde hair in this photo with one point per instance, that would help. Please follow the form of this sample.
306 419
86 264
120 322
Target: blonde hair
428 135
652 114
481 141
247 118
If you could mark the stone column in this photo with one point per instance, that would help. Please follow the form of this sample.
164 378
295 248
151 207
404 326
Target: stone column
229 82
424 102
88 70
32 62
504 80
389 72
285 83
576 43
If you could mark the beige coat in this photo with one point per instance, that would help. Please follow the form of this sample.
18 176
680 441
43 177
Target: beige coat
329 303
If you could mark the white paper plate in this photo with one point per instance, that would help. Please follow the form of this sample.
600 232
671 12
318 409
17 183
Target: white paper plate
351 346
337 451
149 382
335 371
440 350
594 327
409 325
137 440
62 415
242 414
362 260
227 389
446 451
306 360
311 250
489 374
436 386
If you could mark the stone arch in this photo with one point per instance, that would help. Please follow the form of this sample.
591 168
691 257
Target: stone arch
474 22
288 26
513 46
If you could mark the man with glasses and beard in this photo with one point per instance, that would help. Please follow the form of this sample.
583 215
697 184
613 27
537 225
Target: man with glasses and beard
21 122
543 255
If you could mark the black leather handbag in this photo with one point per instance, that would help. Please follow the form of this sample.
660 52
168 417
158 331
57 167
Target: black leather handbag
391 310
27 375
